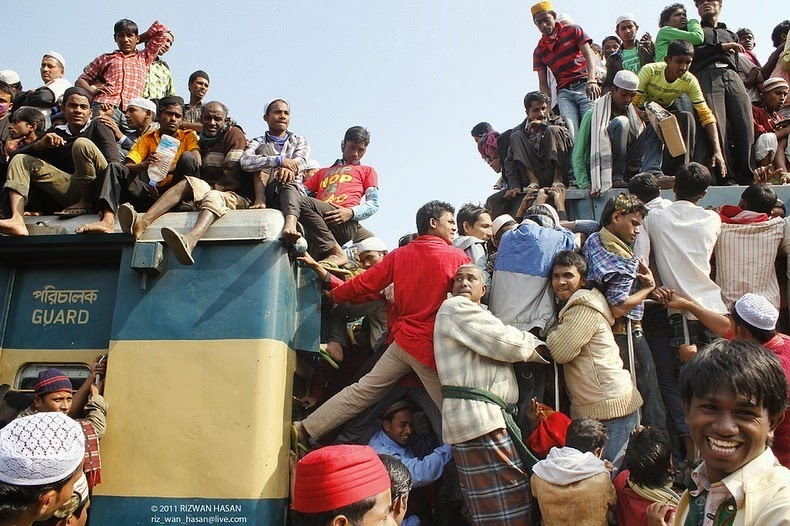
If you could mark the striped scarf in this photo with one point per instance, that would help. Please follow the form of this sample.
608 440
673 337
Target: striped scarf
92 465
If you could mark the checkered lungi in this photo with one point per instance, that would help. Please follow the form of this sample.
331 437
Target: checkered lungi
493 481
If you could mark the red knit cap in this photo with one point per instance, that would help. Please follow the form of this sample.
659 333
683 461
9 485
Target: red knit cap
336 476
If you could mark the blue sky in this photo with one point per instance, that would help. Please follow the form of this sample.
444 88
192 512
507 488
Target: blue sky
417 74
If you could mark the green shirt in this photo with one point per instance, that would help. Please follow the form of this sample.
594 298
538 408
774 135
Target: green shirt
667 34
631 60
580 159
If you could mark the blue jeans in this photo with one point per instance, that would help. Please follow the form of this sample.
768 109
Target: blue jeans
573 104
619 431
653 412
654 147
622 155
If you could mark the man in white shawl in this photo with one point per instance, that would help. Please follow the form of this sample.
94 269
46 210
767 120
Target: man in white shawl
606 143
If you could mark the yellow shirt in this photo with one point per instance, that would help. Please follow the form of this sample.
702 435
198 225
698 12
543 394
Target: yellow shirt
653 86
146 145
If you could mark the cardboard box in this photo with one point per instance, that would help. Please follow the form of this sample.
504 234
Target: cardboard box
666 126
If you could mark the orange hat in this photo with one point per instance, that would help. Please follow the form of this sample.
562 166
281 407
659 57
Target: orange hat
337 476
541 6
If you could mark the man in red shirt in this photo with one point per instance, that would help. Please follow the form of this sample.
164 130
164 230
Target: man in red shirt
422 273
331 218
566 51
770 129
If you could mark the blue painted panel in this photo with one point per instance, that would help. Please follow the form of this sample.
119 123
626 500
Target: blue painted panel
128 511
60 307
234 291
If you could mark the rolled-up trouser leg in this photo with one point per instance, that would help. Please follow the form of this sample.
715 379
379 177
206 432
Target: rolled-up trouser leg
25 170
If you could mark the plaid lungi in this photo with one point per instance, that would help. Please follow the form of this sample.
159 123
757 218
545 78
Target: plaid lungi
493 481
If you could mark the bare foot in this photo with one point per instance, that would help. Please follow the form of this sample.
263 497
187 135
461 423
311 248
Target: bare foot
32 214
335 350
290 234
13 227
257 206
105 226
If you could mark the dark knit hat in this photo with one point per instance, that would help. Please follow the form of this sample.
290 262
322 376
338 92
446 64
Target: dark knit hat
51 381
198 74
74 90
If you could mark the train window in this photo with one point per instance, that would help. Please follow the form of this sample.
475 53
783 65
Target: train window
28 375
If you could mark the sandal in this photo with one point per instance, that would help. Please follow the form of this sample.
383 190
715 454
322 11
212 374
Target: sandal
325 355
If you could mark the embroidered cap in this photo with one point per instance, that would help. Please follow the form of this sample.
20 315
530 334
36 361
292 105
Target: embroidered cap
499 222
40 449
145 104
624 18
371 244
336 476
757 311
9 77
52 381
625 79
541 6
57 56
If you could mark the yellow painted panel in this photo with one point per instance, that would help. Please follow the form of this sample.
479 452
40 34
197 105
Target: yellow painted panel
203 419
11 360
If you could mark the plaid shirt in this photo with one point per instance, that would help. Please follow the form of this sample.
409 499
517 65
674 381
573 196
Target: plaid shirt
160 81
125 74
616 274
296 147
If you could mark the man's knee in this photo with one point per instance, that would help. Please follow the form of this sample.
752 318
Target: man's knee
765 145
188 164
619 123
214 202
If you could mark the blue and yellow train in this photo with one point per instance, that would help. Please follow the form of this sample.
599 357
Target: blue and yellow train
201 359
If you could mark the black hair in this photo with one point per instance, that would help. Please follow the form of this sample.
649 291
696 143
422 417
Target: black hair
586 434
569 258
595 47
407 238
357 134
400 478
666 14
5 87
534 96
743 32
759 198
691 182
431 210
353 512
125 26
611 37
14 500
170 100
743 368
645 186
648 456
31 116
761 335
480 128
782 28
470 213
506 227
679 47
609 209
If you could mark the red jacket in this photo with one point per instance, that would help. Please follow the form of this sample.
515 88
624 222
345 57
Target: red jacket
423 274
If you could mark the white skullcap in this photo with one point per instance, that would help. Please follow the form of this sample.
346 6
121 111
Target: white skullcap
40 449
266 106
371 244
143 103
312 164
81 487
625 79
757 311
9 77
499 222
564 18
623 18
57 56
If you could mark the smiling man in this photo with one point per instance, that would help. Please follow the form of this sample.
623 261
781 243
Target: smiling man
474 356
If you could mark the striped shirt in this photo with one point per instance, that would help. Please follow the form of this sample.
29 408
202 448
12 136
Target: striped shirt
561 53
653 87
125 74
296 147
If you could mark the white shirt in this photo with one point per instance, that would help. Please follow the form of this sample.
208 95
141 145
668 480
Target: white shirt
682 238
642 243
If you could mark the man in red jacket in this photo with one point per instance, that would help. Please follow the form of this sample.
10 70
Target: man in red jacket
422 273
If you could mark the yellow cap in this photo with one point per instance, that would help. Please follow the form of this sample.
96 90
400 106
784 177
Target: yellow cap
541 6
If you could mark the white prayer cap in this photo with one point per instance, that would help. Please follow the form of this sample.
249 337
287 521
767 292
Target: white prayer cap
371 244
266 106
143 103
40 449
9 77
625 79
312 164
81 487
57 56
623 18
499 222
757 311
564 18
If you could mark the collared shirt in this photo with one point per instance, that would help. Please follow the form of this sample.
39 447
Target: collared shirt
681 241
423 470
561 53
642 243
730 486
192 114
160 81
615 273
709 54
295 147
125 74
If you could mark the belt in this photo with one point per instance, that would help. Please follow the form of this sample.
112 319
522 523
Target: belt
575 83
621 326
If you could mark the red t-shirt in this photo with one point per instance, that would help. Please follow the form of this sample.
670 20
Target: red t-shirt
630 508
780 346
342 185
561 53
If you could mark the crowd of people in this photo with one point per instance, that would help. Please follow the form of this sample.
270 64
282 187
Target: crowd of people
508 364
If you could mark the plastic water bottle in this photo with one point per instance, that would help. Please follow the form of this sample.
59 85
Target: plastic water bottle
165 153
